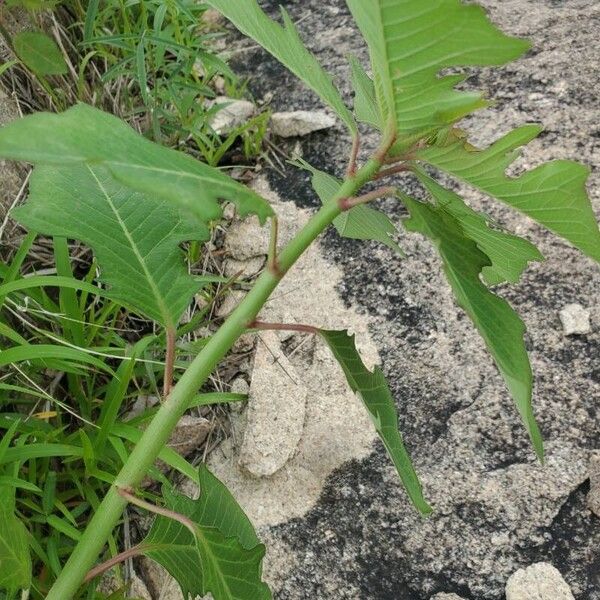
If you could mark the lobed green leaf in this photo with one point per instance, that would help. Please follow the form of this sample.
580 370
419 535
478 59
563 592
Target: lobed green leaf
223 556
15 561
410 42
498 324
86 135
553 194
373 390
135 236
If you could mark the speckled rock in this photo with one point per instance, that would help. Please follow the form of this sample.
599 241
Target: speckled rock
575 319
541 581
444 596
362 539
593 497
299 123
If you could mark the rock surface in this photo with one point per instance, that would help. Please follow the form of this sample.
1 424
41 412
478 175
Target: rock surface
443 596
497 510
575 319
538 582
593 497
299 123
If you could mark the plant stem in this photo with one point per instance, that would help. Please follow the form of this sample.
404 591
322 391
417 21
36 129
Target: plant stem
169 361
159 430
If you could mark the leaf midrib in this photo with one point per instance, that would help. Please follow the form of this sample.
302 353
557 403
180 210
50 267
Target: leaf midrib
153 286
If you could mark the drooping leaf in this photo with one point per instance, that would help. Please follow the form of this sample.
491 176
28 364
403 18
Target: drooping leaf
366 108
40 53
135 236
15 560
83 134
498 324
222 557
284 43
411 41
553 194
373 390
509 254
361 222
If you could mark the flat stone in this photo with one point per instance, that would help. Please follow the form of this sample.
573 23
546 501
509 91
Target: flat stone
300 122
593 497
233 114
276 410
445 596
575 320
540 581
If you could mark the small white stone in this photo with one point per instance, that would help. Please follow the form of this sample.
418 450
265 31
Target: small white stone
444 596
575 320
300 122
233 114
540 581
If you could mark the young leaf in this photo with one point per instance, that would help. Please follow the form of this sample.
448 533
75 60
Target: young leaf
411 41
498 324
284 43
223 556
366 108
361 222
15 561
135 237
84 134
40 53
377 398
553 194
509 254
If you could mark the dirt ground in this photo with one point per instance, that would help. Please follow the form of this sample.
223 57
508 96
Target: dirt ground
496 509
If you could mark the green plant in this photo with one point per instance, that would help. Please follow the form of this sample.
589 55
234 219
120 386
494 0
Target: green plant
91 169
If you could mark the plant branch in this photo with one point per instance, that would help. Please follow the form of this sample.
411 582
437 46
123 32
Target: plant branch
348 203
393 170
272 264
169 362
158 431
113 562
158 510
283 327
352 163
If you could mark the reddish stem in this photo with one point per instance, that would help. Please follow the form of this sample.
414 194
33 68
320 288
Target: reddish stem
283 327
352 164
348 203
392 171
113 562
169 362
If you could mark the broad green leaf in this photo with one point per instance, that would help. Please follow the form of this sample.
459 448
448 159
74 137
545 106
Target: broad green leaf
83 134
366 108
361 222
40 53
284 43
222 557
509 254
498 324
135 236
377 398
15 561
411 41
553 194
